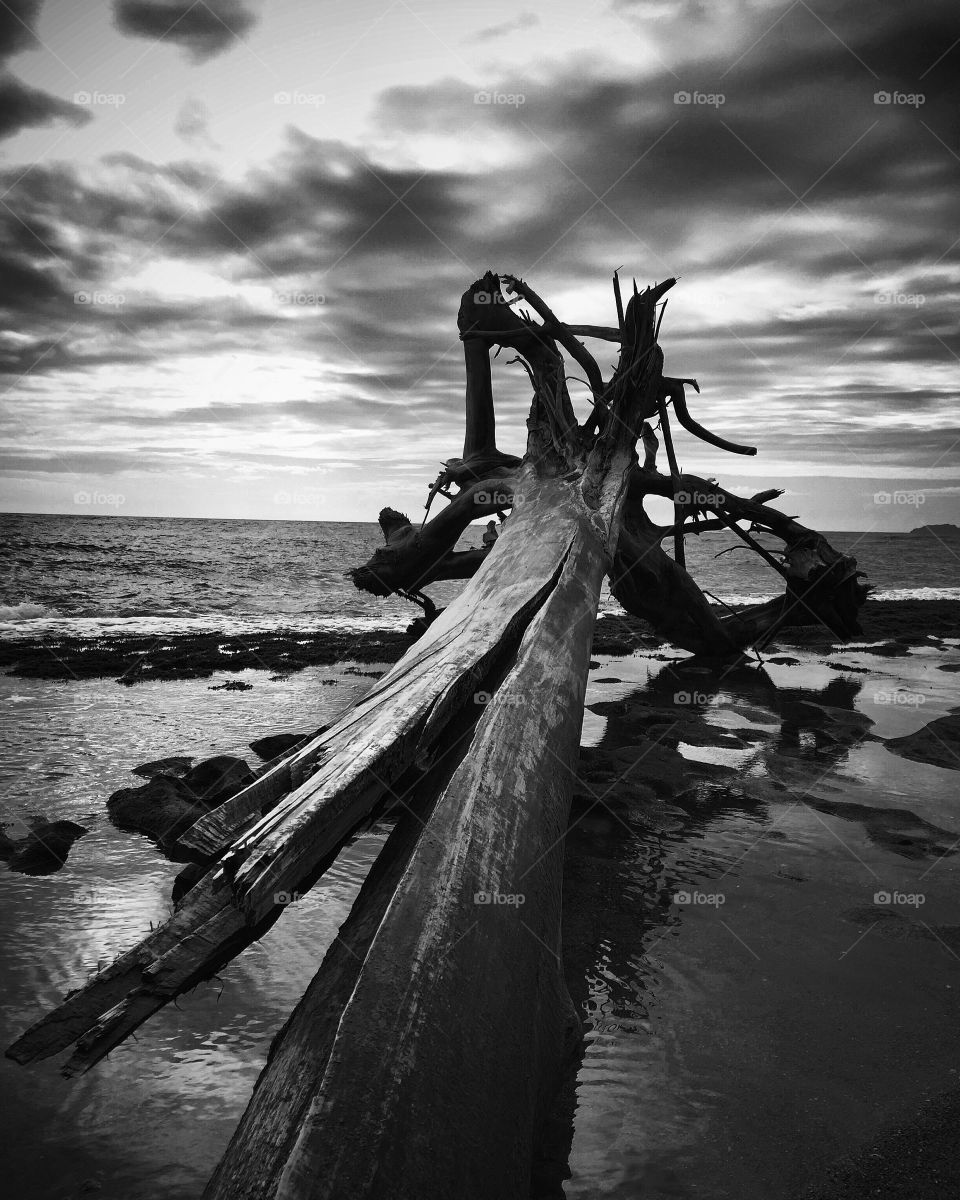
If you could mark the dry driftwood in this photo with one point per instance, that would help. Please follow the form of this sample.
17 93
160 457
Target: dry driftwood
433 1011
402 1062
397 1066
351 768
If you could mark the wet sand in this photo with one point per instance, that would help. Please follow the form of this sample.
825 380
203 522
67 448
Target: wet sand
915 1159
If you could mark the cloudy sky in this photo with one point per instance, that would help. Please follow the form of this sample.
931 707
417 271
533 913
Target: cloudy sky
235 233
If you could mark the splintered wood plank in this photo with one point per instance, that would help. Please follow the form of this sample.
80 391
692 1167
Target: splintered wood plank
83 1008
259 1148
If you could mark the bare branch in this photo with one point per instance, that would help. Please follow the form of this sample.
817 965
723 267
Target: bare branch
673 388
561 332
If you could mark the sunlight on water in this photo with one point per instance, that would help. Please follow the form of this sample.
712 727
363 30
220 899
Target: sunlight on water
153 1118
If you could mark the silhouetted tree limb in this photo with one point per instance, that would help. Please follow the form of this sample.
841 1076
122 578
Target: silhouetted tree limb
820 584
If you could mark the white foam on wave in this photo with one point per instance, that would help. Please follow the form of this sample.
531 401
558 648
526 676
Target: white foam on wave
93 628
15 614
923 593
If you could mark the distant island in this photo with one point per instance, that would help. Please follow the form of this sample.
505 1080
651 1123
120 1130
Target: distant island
940 531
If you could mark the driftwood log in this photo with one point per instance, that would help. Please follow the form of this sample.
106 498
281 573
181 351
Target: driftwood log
423 1057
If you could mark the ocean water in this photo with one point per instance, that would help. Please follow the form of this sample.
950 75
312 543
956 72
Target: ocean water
86 575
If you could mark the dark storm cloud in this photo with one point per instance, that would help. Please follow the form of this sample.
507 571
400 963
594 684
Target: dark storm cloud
856 443
63 233
372 241
799 173
315 203
204 27
45 356
799 130
21 106
868 33
189 173
17 20
798 176
884 330
25 286
324 198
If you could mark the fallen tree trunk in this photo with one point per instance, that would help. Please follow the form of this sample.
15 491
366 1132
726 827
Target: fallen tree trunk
399 1067
251 1167
541 582
450 1012
350 769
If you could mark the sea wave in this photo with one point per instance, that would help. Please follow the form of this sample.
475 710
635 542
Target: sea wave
27 610
32 620
96 628
924 593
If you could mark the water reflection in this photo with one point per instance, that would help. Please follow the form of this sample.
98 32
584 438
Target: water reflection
152 1120
731 1042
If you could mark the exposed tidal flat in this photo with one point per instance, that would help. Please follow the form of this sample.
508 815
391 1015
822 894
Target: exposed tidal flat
761 913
